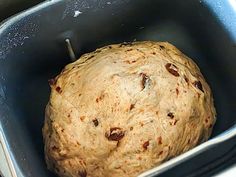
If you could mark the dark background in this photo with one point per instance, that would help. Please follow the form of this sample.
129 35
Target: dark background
11 7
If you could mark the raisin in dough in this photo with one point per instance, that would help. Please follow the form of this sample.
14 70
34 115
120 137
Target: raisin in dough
125 108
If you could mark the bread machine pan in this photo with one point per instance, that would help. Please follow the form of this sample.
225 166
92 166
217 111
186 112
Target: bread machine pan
32 50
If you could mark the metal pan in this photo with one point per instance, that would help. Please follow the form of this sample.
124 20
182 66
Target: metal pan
32 50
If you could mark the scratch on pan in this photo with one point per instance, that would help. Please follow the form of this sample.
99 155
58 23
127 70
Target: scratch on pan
77 13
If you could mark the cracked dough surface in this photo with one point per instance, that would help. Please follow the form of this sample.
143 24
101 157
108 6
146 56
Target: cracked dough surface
125 108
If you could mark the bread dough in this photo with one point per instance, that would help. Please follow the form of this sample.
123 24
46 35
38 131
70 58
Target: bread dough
125 108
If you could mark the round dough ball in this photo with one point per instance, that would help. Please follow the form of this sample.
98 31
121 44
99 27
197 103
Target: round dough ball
125 108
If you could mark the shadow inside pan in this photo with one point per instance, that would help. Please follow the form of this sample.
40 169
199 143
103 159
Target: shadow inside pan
33 51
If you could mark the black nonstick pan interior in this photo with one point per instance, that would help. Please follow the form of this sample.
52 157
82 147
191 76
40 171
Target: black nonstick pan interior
33 50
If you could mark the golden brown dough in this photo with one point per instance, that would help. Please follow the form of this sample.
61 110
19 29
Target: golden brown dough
124 109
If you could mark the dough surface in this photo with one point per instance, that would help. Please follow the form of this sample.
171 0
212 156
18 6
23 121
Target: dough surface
125 108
